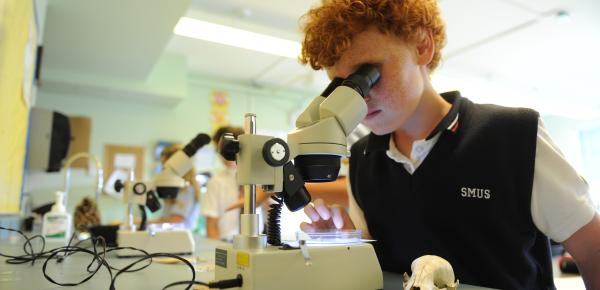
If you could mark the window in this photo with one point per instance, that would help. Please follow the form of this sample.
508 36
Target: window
590 149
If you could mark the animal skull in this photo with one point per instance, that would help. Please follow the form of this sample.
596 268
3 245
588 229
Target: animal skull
430 273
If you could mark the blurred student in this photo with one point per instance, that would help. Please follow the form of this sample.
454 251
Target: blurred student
221 191
185 207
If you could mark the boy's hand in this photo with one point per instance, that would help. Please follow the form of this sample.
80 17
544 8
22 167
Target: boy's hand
326 218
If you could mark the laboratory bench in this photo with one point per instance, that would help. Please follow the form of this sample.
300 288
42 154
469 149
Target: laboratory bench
159 274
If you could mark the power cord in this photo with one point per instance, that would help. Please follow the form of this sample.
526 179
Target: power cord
98 251
30 254
221 284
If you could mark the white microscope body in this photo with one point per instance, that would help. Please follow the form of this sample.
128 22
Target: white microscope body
316 147
158 238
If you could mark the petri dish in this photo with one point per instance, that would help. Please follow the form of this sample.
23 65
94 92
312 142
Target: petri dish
331 237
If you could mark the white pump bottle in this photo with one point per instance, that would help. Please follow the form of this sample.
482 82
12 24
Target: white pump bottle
57 225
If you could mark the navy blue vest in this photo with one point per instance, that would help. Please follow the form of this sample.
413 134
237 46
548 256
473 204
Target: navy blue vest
468 202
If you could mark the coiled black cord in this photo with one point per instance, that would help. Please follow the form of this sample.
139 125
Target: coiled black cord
273 222
144 220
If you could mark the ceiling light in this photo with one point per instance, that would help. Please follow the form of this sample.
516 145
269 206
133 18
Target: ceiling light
222 34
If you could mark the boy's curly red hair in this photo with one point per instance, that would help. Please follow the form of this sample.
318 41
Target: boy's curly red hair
329 28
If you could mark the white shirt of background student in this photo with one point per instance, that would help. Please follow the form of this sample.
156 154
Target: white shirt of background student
184 207
219 205
221 191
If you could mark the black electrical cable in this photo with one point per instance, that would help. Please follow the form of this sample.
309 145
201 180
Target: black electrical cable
144 218
30 255
221 284
100 239
133 249
95 257
77 249
183 283
273 221
100 258
150 256
98 252
229 283
59 259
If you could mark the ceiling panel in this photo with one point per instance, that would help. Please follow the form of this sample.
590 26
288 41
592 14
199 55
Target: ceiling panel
283 14
109 37
278 19
470 21
551 57
221 61
539 6
289 73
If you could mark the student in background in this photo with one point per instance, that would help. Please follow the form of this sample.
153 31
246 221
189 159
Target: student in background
221 191
185 207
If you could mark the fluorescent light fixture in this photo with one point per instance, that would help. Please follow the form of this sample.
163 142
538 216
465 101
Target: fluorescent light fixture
198 29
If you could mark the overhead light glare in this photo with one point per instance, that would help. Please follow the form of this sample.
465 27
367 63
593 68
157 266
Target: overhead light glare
203 30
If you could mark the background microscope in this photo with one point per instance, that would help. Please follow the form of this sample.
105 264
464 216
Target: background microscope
145 194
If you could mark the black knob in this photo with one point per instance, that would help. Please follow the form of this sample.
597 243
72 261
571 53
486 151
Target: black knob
228 147
118 185
276 152
152 202
139 188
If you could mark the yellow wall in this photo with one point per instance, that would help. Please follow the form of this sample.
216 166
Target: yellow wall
15 17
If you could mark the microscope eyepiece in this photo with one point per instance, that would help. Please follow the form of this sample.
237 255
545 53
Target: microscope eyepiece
336 82
228 147
363 79
198 142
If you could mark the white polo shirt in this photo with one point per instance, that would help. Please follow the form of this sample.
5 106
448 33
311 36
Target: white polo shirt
222 190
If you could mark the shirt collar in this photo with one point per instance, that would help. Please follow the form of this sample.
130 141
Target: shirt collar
449 122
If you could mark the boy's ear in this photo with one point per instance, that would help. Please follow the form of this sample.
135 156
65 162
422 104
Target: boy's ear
425 48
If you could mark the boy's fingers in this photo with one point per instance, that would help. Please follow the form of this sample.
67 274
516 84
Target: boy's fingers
322 209
306 227
338 220
312 214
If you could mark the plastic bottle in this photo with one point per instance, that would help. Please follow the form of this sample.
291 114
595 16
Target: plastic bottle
57 225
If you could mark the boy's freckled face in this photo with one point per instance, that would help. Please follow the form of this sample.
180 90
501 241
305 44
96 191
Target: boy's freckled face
395 97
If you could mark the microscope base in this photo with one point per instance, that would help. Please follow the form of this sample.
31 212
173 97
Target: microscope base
179 241
347 267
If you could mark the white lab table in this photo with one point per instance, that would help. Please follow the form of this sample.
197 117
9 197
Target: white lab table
156 276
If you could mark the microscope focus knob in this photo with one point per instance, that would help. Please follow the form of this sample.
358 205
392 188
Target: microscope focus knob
276 152
118 185
139 188
229 147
